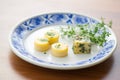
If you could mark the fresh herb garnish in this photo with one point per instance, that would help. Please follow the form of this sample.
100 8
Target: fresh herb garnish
69 31
81 45
50 33
43 40
45 52
96 33
57 45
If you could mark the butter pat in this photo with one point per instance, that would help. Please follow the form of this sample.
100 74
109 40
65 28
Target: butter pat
41 44
59 50
52 36
81 47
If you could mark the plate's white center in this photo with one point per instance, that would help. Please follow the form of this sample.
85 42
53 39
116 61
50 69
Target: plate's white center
71 58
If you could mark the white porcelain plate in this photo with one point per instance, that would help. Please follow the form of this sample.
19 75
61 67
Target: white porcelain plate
22 42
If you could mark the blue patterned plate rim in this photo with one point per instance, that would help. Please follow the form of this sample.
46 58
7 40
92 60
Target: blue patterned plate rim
19 32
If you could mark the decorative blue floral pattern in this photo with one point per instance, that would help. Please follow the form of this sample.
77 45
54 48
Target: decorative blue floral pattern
51 19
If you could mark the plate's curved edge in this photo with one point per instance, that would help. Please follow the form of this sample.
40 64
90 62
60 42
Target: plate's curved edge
61 68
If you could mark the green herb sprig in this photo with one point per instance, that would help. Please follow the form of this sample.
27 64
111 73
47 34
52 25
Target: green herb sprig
96 33
69 31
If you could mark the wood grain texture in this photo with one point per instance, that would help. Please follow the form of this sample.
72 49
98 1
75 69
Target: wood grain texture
12 12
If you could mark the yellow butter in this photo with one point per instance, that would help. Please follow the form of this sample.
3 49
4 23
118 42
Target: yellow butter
81 47
41 44
59 50
52 35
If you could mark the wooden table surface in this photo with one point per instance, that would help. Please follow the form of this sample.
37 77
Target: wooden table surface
12 12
